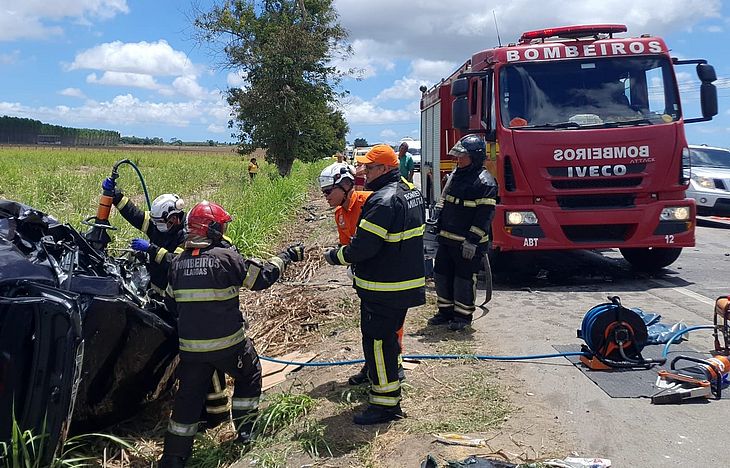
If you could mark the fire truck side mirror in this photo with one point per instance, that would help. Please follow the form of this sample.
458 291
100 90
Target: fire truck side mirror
708 100
460 87
706 73
460 113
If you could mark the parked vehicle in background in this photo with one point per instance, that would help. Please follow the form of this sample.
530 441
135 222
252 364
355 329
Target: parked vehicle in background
585 137
414 147
709 183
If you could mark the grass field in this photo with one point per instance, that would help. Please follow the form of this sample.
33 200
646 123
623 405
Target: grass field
65 182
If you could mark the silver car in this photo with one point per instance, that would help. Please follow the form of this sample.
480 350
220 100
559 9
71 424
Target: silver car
710 181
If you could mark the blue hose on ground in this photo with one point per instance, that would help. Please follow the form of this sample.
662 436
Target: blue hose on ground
479 357
682 332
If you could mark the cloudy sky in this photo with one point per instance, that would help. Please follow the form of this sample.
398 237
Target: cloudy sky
132 66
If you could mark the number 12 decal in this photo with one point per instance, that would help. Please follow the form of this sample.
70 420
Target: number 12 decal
669 238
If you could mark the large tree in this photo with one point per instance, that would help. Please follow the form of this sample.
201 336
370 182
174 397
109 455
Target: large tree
285 51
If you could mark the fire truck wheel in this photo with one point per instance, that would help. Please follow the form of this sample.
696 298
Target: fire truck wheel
650 258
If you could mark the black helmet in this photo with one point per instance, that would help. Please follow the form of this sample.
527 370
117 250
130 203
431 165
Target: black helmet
472 145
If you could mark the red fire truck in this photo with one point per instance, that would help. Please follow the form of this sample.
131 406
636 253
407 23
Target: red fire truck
585 138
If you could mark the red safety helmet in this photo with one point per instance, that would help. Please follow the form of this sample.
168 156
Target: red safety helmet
207 219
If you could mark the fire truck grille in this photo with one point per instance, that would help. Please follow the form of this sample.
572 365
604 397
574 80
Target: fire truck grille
590 202
598 183
597 232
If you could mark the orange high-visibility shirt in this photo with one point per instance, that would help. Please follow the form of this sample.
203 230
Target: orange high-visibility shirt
346 217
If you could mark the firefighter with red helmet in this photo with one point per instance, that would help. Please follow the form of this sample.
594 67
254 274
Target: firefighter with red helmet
205 281
163 225
463 233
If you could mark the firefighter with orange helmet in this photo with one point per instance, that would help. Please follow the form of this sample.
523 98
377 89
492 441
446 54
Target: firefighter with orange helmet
205 281
463 233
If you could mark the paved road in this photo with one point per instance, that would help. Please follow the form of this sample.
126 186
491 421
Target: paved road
542 301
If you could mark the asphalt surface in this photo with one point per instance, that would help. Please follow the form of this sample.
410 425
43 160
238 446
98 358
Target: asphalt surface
540 300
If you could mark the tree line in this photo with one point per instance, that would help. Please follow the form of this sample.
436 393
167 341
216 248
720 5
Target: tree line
18 130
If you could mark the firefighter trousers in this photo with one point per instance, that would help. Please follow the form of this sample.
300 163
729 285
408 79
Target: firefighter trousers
379 324
195 378
216 408
456 280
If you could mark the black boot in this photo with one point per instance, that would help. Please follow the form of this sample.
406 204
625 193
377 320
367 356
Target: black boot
245 433
440 319
359 378
378 414
171 461
401 373
458 324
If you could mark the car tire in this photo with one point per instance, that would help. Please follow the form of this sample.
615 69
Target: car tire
650 258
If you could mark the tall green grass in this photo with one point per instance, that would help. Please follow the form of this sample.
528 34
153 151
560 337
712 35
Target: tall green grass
66 184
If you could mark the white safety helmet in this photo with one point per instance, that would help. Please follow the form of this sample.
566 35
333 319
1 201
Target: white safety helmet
336 173
163 207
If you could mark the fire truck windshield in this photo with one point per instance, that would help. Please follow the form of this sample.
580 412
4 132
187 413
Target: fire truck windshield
588 93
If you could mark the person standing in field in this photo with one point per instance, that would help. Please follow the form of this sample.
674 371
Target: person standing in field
253 168
205 280
387 257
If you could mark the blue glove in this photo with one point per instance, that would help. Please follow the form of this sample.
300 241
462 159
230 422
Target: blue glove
109 184
330 256
140 245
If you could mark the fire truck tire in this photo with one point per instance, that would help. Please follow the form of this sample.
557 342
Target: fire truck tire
649 258
484 279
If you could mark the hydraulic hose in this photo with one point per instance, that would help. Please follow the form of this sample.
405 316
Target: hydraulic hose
479 357
115 174
682 332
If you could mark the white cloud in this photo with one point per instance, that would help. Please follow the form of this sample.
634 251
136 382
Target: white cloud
135 80
72 92
235 80
715 29
189 87
388 135
216 128
451 30
147 58
28 19
9 57
124 111
359 111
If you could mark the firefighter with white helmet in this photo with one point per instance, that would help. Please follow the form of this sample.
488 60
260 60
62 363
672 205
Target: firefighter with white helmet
463 233
205 281
163 225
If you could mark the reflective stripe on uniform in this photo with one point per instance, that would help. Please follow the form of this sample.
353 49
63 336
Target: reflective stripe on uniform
278 262
159 290
394 286
383 400
443 302
123 202
217 387
216 409
401 236
205 295
470 203
215 396
245 403
182 430
373 228
146 222
477 231
251 275
160 254
179 250
456 237
215 344
379 363
341 256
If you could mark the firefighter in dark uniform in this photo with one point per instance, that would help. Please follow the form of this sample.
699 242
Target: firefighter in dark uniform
463 234
205 280
163 225
386 253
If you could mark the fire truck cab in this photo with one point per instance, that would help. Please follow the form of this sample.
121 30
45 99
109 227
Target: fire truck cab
585 137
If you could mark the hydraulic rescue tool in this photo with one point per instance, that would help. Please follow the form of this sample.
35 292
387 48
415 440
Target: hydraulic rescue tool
614 336
97 235
705 378
722 328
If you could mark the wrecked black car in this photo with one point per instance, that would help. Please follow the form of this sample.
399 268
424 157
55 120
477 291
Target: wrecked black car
81 344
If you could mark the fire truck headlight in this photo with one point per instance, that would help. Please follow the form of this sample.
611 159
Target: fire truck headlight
675 213
516 218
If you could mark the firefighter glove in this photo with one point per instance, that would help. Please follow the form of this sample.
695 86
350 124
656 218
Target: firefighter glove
468 250
296 252
330 256
109 185
140 245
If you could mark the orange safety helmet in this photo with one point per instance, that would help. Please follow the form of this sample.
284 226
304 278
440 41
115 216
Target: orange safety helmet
208 220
